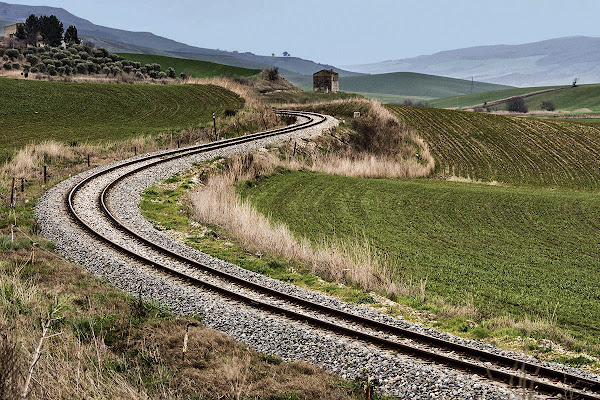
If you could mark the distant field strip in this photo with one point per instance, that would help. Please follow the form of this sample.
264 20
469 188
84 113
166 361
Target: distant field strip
469 100
523 252
198 69
34 111
514 150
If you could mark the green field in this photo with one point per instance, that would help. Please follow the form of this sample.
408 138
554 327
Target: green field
304 97
34 111
195 68
469 100
413 84
394 98
569 99
521 252
515 150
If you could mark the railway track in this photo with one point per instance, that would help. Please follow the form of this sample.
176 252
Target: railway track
106 226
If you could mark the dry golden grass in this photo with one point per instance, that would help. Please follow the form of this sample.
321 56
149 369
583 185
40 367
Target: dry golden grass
102 345
217 203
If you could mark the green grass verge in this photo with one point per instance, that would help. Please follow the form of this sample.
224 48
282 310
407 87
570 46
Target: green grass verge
518 252
195 68
34 111
521 151
414 84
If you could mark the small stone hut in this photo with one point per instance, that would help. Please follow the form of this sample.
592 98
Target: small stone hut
326 81
11 30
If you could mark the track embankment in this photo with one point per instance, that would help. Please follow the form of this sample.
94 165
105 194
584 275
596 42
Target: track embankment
95 221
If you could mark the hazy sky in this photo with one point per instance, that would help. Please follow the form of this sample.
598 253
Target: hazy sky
343 32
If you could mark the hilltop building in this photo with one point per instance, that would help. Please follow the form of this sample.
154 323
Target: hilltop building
326 81
11 30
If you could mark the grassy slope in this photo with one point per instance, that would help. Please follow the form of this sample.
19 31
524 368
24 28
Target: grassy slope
523 252
413 84
33 111
570 99
467 100
199 69
522 151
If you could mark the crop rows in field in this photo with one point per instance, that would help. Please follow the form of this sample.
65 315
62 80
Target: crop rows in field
523 252
34 111
514 150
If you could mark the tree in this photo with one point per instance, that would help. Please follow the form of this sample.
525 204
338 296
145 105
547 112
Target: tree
71 35
286 54
517 104
21 34
575 82
31 29
273 74
51 30
548 105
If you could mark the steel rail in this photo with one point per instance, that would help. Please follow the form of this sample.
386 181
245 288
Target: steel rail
490 372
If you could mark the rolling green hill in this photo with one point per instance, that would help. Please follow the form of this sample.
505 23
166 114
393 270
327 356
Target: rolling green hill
34 111
564 98
469 100
515 150
520 252
569 99
413 84
198 69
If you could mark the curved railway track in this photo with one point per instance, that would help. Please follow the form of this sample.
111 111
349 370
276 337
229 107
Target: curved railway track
490 365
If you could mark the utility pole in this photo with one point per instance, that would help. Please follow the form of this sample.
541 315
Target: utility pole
215 126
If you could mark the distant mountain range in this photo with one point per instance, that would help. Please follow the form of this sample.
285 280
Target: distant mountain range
118 40
550 62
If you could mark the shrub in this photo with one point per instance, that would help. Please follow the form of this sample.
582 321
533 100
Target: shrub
92 68
16 66
68 69
139 75
51 70
127 68
81 68
153 74
548 105
58 63
84 55
273 74
162 75
517 105
136 65
105 70
115 70
171 72
183 76
31 59
408 102
61 70
13 54
34 70
7 65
